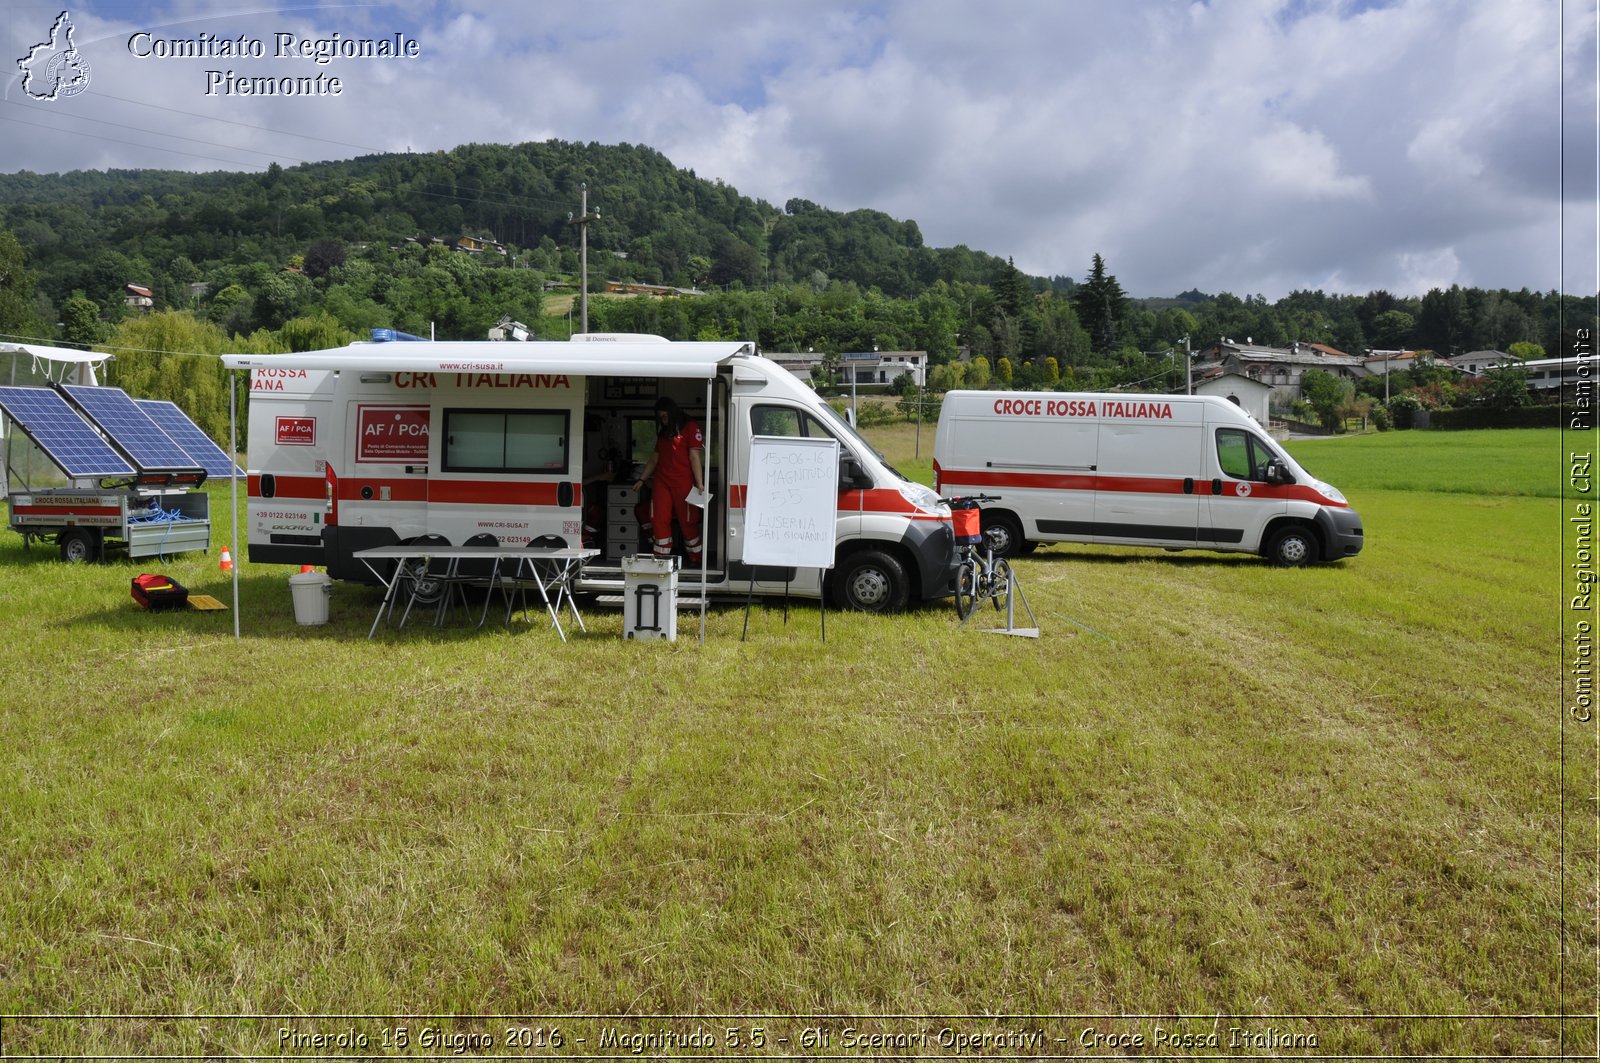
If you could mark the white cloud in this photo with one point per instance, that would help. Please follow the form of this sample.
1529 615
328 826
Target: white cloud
1253 146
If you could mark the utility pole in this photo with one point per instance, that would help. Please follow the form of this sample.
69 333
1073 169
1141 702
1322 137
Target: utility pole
582 222
1188 368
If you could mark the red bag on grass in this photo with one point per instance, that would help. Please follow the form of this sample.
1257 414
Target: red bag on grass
159 592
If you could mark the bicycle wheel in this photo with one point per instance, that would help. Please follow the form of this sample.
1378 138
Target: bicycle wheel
966 588
1000 583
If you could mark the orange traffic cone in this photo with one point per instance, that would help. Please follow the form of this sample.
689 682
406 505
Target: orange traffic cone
227 560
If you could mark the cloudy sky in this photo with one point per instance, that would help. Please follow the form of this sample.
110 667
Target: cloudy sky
1251 146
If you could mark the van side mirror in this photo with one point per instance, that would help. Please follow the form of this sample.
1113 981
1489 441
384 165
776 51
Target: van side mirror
1277 474
852 477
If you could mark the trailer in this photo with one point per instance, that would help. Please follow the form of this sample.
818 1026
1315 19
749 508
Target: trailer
94 471
87 524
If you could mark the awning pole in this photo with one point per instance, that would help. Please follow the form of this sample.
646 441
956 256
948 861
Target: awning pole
233 487
705 515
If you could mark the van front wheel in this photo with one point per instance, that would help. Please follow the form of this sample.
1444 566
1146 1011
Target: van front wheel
1292 547
871 581
1003 534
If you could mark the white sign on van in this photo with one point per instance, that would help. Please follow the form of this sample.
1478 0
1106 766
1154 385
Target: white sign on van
792 502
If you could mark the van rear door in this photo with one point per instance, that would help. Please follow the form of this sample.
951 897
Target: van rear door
291 436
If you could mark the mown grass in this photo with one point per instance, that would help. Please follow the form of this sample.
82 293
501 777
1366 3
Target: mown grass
1211 787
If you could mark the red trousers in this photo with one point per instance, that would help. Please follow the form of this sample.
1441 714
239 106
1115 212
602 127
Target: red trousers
668 504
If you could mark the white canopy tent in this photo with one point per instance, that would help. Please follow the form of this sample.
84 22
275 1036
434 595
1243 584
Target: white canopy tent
63 365
584 355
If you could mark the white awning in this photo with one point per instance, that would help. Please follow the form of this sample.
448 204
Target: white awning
76 367
69 355
698 360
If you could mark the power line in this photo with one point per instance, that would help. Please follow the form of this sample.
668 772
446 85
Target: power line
154 133
241 125
130 143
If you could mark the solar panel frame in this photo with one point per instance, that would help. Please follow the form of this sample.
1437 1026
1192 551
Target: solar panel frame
130 428
188 435
64 436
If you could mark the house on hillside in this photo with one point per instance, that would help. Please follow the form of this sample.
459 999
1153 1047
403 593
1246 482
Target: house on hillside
1280 368
883 367
638 288
477 245
138 297
800 363
1479 362
1247 393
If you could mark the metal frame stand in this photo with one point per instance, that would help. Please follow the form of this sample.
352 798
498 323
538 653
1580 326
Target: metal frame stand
1013 592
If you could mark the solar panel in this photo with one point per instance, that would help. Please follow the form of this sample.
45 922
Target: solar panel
66 437
130 427
188 435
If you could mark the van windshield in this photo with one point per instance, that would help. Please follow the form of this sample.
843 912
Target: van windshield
845 430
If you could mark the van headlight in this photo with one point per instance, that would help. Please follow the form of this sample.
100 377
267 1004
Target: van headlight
1331 493
924 498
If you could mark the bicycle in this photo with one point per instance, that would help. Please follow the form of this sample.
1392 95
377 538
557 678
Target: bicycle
980 575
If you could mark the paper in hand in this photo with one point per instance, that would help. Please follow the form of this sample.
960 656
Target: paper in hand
697 498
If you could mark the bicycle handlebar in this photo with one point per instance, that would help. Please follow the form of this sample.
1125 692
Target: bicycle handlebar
968 501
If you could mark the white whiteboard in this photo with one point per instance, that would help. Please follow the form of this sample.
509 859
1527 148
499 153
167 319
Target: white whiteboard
792 502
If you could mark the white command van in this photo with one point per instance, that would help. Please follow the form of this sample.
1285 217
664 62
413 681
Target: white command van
1175 471
376 444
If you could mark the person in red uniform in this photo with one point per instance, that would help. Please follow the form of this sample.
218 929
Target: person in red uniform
677 465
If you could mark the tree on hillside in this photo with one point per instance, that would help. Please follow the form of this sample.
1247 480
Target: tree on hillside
1011 292
1326 394
322 256
80 321
1392 330
17 284
1101 305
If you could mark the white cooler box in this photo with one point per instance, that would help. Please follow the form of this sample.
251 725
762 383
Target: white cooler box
649 597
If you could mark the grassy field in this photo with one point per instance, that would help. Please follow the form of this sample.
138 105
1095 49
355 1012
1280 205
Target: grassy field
1322 806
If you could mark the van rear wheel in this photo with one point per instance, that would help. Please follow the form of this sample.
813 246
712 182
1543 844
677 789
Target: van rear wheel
871 581
1292 547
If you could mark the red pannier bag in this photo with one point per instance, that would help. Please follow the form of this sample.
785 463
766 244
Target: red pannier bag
968 525
159 592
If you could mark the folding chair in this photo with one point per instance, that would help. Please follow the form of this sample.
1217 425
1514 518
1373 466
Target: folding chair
472 571
428 579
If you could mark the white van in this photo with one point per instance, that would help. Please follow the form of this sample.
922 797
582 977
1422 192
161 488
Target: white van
1175 471
375 444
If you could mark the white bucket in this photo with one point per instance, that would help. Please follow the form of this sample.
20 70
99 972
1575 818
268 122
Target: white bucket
311 592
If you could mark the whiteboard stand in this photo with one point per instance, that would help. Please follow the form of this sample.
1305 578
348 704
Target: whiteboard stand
1013 592
791 512
772 573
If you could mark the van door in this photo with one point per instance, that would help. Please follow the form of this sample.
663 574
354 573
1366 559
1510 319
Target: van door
1149 485
1239 502
292 433
382 481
